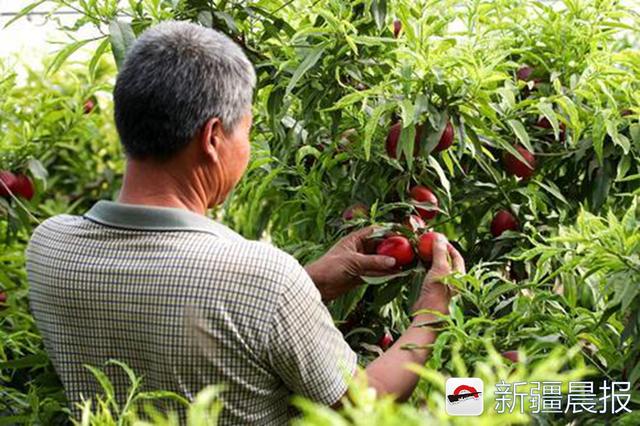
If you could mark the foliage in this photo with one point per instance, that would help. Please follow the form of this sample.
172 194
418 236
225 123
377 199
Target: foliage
360 406
75 160
363 408
73 156
597 264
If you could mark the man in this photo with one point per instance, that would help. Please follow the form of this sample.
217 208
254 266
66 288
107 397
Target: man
183 300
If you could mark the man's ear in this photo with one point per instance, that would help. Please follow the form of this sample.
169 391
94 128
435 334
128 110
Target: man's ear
211 137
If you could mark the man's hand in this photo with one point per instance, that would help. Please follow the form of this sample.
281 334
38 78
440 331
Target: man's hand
388 373
340 269
434 295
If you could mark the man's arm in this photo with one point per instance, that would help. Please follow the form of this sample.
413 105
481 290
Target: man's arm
387 374
311 356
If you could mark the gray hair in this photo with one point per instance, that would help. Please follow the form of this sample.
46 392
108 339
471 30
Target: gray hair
177 76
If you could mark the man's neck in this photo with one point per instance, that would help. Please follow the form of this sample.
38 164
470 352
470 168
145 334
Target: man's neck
155 185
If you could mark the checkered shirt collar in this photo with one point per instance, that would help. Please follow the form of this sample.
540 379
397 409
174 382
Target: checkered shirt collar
154 218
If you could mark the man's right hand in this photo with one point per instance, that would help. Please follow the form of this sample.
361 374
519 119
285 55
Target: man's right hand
435 295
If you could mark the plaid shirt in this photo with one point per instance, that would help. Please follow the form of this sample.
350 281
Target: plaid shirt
185 302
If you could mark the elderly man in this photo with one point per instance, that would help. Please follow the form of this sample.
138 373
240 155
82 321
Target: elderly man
183 300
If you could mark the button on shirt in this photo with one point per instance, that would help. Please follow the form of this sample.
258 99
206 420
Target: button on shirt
185 302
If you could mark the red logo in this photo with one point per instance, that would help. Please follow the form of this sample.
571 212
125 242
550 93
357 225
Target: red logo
463 392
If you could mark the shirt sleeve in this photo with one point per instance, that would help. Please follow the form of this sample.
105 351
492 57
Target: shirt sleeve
305 348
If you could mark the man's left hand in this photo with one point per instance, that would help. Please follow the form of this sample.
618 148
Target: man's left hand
342 267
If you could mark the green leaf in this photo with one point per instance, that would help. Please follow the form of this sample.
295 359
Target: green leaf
386 278
408 112
433 138
441 175
29 361
24 11
102 379
547 110
568 107
228 20
63 54
508 99
552 189
633 378
305 151
129 372
347 100
95 59
371 126
152 395
600 187
346 303
205 18
634 131
623 168
379 10
309 61
598 135
617 138
37 169
521 133
122 38
421 105
387 293
406 142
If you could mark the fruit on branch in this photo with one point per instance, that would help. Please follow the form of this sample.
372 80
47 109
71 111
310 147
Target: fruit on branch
7 184
503 221
515 167
397 27
398 247
423 194
446 140
385 341
525 74
511 356
393 138
88 106
23 187
356 211
425 245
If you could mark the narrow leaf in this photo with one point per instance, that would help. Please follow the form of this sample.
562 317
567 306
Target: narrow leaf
122 38
63 54
550 115
24 11
309 61
379 10
521 133
371 126
441 175
95 59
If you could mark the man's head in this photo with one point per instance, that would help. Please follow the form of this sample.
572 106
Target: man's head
185 92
